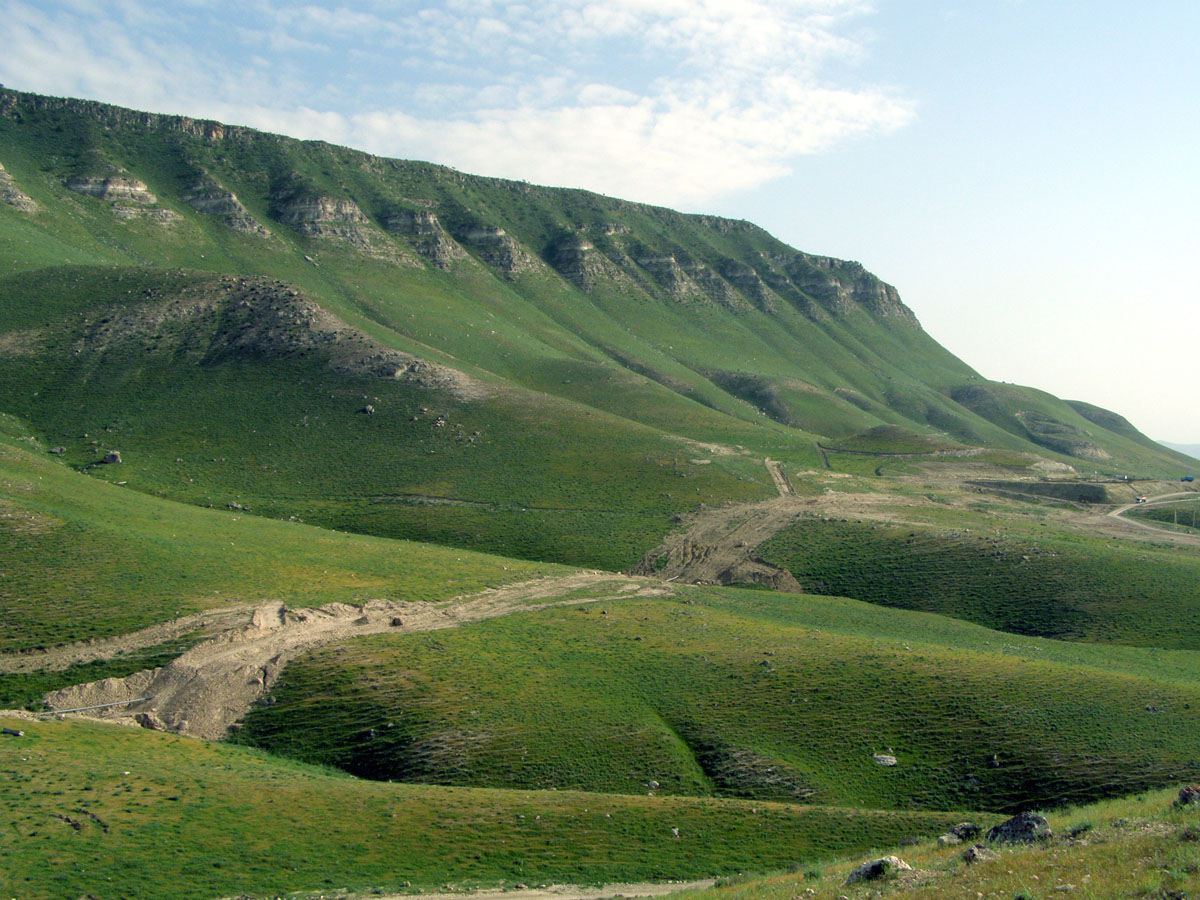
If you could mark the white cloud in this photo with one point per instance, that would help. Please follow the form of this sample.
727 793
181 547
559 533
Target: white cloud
668 101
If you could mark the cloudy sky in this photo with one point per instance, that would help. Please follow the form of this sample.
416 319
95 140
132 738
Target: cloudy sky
1026 172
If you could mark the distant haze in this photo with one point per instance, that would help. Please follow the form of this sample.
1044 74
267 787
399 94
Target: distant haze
1192 450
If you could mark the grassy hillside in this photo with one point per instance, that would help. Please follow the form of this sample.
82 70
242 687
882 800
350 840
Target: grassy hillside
1143 846
110 812
1027 579
744 694
85 559
695 325
218 391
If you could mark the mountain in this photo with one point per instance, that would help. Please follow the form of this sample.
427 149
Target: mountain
172 281
408 506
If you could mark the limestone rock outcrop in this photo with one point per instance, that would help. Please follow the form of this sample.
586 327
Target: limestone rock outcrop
498 249
210 198
426 234
114 188
11 194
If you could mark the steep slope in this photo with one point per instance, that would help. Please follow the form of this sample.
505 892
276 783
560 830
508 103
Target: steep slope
696 325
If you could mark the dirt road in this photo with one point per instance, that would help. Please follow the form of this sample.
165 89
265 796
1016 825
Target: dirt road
568 892
719 546
213 684
1159 500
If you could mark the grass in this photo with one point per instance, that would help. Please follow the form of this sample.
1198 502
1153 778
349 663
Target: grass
744 694
1140 846
754 347
1183 516
85 559
1000 574
159 816
196 426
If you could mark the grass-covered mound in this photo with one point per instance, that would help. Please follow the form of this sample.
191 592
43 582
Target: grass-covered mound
1037 581
85 559
744 694
110 812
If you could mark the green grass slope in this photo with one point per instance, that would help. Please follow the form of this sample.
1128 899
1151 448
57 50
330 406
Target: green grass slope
220 391
1144 846
110 812
85 559
745 694
706 327
1026 579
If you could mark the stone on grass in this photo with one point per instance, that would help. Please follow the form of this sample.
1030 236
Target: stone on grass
878 868
978 853
112 456
949 839
885 759
964 831
1189 795
1025 828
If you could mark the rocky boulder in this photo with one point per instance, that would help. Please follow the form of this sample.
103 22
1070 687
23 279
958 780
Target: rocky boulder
878 868
978 853
1026 828
1189 795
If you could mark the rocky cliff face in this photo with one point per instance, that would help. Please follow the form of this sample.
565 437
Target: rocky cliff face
128 198
427 236
208 197
12 195
498 249
840 285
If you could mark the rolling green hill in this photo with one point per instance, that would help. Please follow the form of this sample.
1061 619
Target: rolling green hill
251 384
737 694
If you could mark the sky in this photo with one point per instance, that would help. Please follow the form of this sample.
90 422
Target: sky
1025 172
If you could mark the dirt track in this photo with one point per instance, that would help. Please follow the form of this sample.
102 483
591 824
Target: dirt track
568 892
718 546
214 683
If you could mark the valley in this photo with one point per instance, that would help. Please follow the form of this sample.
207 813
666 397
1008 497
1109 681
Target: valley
368 528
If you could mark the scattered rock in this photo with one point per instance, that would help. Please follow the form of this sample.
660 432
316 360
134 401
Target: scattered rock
885 759
12 195
151 721
1189 795
1026 828
396 622
948 840
965 831
58 451
112 456
369 410
878 868
978 853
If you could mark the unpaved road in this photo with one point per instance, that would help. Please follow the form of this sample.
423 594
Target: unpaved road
1164 500
568 892
214 684
719 546
779 477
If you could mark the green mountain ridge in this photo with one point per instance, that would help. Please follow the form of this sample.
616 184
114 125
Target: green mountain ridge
710 325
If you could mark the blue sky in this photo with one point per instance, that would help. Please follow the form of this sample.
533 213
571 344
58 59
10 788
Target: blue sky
1026 173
